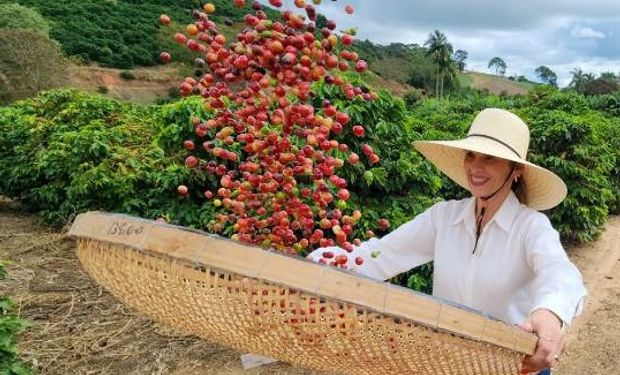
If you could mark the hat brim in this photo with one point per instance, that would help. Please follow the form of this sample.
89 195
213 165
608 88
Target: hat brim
544 189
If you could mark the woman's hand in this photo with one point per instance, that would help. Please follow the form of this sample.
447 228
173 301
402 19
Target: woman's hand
548 327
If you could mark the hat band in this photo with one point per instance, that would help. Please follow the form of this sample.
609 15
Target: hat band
496 140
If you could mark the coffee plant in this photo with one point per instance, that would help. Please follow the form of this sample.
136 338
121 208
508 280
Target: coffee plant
10 326
279 142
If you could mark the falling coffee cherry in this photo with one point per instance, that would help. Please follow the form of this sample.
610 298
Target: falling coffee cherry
267 140
164 19
384 224
209 8
182 190
164 57
358 130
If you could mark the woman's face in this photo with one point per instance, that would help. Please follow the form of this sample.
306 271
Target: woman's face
485 173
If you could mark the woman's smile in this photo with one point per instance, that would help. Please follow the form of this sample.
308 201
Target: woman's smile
478 181
485 173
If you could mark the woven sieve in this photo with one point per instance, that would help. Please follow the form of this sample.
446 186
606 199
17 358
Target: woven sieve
267 303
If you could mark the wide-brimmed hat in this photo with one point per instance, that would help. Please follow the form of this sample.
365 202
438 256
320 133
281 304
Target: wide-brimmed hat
502 134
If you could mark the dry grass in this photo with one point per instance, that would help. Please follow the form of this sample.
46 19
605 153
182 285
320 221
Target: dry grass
495 84
77 327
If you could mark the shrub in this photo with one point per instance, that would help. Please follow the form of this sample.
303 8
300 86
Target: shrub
571 145
127 75
600 86
66 152
10 326
16 16
29 62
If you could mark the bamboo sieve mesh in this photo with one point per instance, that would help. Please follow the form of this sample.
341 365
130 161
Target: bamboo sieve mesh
267 303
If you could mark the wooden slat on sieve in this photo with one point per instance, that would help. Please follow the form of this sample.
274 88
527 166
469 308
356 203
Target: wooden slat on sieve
201 248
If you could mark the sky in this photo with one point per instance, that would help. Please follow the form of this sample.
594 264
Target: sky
560 34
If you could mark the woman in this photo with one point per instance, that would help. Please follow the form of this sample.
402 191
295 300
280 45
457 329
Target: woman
493 252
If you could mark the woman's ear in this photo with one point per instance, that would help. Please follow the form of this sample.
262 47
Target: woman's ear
519 169
517 172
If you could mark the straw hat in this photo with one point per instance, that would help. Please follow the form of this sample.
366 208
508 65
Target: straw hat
502 134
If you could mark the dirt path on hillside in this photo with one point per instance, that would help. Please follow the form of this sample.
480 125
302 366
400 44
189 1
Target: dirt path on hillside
146 87
79 328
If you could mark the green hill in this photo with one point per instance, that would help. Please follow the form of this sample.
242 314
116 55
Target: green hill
493 83
121 33
126 34
409 66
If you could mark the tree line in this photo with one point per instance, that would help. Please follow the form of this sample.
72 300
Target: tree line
125 34
446 62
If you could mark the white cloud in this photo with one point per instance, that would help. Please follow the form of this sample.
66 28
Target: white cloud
585 32
560 34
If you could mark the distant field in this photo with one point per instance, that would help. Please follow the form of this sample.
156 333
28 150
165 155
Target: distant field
495 84
151 84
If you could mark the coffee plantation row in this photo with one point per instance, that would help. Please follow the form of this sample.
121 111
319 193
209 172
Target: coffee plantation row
66 152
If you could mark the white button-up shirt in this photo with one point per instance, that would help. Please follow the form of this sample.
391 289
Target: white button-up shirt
519 264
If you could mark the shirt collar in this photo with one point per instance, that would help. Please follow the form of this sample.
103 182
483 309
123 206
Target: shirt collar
503 217
507 212
466 215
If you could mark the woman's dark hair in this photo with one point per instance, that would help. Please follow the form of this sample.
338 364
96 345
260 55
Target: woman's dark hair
518 187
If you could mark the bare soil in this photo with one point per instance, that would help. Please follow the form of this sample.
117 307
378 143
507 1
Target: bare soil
153 83
77 327
149 85
594 337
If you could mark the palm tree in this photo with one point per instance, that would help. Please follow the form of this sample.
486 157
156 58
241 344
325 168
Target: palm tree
447 67
438 47
580 79
498 64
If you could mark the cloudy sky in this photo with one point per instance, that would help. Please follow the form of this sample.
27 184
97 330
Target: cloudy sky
561 34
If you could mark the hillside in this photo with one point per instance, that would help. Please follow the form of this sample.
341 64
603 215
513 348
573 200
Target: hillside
493 83
121 33
156 83
392 86
147 86
108 37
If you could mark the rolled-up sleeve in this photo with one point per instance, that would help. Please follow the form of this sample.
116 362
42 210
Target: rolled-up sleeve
557 282
406 247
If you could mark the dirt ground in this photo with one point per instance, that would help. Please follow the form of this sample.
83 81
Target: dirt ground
594 338
149 85
76 327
